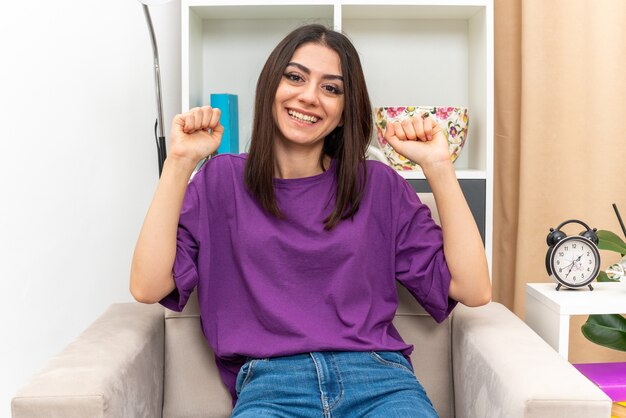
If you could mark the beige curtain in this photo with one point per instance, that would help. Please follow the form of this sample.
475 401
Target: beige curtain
560 137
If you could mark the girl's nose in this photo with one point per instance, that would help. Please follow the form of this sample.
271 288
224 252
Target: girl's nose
308 94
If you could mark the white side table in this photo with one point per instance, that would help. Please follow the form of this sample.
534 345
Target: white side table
548 311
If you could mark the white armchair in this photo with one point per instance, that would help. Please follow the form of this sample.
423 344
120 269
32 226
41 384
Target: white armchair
146 361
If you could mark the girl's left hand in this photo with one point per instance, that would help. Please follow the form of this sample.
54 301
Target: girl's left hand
420 139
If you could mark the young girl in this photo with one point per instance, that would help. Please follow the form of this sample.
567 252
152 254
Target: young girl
294 249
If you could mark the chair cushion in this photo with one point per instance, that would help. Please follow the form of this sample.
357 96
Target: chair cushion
432 354
192 385
193 388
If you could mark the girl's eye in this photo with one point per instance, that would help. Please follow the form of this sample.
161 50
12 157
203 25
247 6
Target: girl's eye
293 77
333 89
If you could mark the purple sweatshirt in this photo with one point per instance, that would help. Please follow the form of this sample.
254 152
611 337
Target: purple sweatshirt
273 287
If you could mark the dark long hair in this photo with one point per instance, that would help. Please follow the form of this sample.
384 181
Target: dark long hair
347 143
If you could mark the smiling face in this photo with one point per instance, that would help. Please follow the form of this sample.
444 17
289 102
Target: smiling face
309 101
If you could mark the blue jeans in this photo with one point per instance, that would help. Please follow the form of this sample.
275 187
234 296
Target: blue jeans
331 385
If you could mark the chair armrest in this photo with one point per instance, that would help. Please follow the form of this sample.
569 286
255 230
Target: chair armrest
113 369
501 368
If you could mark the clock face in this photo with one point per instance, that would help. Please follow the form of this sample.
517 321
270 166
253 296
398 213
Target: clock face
575 261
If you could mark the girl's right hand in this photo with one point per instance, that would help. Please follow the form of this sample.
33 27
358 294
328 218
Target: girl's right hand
196 134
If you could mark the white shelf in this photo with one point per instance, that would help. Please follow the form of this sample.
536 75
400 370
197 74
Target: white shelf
414 52
225 44
460 174
411 10
215 11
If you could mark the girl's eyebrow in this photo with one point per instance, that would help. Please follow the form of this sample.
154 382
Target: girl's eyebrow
307 71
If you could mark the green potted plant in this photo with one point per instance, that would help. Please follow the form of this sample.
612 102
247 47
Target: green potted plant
608 330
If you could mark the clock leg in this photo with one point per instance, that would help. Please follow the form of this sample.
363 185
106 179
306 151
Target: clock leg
558 286
590 287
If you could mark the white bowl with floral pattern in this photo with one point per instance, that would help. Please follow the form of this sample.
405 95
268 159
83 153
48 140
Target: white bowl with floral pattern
453 120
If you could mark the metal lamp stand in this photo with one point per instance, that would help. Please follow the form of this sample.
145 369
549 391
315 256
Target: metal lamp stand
158 126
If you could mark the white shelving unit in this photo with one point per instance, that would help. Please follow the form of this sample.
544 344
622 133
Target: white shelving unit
413 53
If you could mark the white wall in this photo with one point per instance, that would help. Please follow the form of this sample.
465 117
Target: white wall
78 165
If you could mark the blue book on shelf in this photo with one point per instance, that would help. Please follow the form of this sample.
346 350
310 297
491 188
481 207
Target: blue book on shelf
228 104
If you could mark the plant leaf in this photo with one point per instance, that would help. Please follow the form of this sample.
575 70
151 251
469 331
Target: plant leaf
608 240
602 277
606 330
